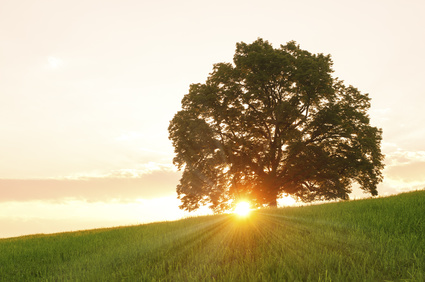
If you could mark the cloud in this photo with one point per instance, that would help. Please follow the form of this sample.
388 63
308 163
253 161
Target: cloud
147 168
411 172
402 157
405 170
123 185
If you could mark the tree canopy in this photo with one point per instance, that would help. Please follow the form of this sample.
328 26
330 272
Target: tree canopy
273 122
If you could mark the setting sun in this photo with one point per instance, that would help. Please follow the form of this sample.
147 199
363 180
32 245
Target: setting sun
242 209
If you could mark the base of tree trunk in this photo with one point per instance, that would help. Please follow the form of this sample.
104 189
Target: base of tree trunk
273 203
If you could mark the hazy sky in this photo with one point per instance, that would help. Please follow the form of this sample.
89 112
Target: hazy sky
87 89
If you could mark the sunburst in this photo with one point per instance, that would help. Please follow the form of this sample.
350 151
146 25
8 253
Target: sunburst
242 209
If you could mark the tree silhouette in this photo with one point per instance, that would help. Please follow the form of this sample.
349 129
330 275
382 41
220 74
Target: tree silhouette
274 122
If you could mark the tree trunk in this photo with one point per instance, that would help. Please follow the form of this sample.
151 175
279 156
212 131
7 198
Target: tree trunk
273 202
273 189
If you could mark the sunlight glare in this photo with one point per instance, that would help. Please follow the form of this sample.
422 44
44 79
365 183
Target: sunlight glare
242 209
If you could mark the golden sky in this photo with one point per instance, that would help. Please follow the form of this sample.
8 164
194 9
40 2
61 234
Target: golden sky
87 89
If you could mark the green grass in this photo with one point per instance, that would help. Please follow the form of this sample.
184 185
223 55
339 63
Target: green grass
365 240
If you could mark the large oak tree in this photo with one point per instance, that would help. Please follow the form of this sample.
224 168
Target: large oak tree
274 122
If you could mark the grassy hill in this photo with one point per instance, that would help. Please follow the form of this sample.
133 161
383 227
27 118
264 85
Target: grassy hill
365 240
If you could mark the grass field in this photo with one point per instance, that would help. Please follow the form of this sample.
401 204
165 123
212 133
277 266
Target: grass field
365 240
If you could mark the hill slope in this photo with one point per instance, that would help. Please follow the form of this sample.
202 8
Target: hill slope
365 240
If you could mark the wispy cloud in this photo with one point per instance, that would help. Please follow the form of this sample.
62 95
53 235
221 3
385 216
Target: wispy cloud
405 170
140 171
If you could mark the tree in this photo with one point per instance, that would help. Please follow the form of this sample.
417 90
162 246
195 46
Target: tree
274 122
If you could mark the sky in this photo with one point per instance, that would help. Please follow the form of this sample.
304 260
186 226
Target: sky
88 87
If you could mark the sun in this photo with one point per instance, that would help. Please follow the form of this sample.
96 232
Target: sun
242 209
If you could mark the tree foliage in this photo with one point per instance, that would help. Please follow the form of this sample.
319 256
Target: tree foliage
274 122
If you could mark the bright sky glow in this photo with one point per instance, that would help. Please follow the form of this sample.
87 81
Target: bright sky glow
54 62
88 89
286 201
